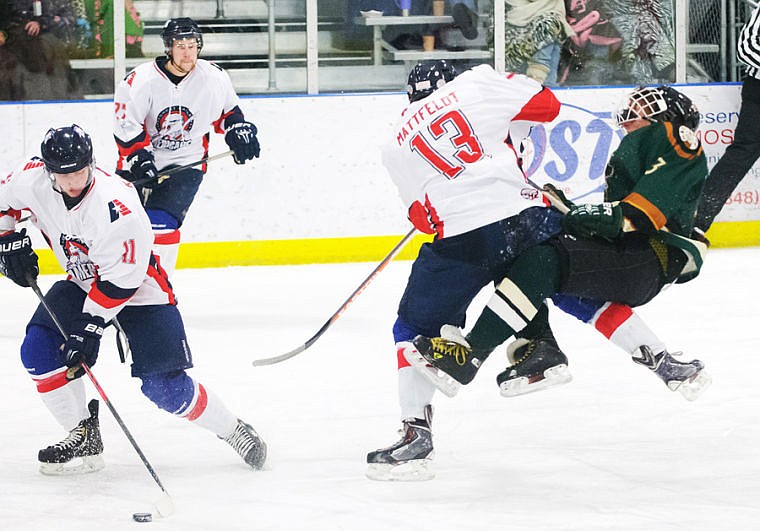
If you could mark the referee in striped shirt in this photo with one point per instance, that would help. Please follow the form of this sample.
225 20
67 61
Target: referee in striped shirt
745 149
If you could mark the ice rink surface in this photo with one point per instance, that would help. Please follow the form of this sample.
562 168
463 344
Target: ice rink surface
612 450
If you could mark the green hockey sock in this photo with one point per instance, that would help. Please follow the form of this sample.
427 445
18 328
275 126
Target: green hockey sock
533 277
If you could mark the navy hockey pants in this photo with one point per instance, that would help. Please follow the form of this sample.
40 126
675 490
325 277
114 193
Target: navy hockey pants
448 273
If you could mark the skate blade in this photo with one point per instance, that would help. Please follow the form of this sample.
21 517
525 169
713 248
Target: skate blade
442 381
415 470
693 388
78 465
557 375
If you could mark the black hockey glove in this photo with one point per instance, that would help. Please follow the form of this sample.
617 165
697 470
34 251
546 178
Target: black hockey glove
241 138
604 220
83 344
17 258
143 168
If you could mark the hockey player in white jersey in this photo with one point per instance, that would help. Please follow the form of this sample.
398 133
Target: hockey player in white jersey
453 157
164 112
102 238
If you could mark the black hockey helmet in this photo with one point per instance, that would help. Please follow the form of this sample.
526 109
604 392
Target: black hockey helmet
180 28
428 76
659 104
66 149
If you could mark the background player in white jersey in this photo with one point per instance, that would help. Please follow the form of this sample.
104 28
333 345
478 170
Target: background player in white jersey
454 161
102 238
165 110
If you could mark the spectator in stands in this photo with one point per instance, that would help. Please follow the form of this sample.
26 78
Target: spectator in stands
591 55
36 36
534 32
100 16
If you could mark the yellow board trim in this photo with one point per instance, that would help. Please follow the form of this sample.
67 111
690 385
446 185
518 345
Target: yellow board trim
355 249
279 252
734 234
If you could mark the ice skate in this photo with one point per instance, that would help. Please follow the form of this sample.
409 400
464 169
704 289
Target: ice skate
80 452
535 364
411 458
447 361
248 445
688 378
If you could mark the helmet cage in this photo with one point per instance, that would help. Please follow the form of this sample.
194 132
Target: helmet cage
659 104
646 103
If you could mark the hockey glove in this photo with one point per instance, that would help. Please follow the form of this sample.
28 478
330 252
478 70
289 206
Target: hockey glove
83 344
17 258
241 138
557 198
604 220
143 168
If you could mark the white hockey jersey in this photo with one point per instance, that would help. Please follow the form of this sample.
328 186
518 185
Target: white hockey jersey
450 158
171 120
103 243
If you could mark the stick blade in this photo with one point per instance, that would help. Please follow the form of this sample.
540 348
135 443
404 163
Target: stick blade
277 359
164 506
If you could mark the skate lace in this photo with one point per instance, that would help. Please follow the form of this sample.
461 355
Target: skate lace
73 439
531 346
241 441
443 347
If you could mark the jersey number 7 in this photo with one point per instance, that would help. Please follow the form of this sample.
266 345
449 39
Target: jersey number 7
467 148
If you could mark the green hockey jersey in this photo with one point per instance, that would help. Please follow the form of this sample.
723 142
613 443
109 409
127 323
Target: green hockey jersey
660 170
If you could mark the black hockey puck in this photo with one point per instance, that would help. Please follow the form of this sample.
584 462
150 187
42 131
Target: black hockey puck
142 517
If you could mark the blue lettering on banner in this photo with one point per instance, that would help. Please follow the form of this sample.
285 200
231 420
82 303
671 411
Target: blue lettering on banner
572 152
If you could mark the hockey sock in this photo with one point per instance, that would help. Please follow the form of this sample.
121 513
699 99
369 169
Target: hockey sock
537 326
624 328
180 395
65 399
415 391
208 411
533 277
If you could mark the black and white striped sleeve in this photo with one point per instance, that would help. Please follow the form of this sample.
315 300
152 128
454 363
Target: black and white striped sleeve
748 46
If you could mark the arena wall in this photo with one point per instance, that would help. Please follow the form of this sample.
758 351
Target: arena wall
320 194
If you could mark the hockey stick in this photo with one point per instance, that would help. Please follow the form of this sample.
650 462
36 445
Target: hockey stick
172 171
277 359
164 505
553 200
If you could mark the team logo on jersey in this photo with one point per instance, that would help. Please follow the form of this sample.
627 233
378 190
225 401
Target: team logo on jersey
172 125
78 263
529 193
116 209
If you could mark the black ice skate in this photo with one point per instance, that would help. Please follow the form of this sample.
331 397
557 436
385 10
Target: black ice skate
688 378
248 445
410 459
535 364
447 361
80 452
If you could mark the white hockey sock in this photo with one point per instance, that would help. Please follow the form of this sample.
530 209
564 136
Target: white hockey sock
208 411
66 400
624 328
415 391
166 249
